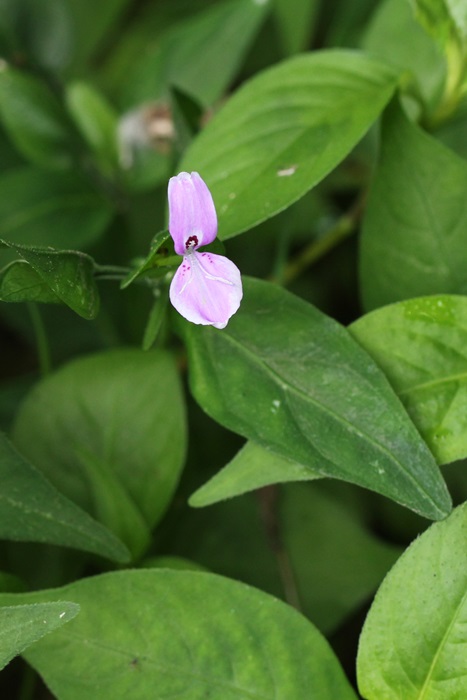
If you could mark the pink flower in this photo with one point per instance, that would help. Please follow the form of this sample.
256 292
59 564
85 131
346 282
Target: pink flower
206 288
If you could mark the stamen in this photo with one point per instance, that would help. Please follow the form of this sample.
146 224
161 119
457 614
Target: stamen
191 242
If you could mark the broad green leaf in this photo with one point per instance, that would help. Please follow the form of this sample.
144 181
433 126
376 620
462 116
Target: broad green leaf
295 23
45 208
414 238
22 24
93 22
22 625
20 282
191 634
32 510
34 119
111 417
414 642
293 380
284 131
393 22
201 55
253 467
68 274
96 120
338 570
421 346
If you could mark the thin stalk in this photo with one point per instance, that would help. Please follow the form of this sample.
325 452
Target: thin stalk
317 249
42 343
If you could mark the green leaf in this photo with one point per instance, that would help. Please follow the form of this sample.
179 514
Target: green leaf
295 23
253 467
22 625
201 55
421 346
414 642
333 579
458 12
293 380
32 510
414 238
45 208
34 119
19 282
183 633
92 23
155 320
150 262
114 417
393 22
284 131
96 120
435 17
68 274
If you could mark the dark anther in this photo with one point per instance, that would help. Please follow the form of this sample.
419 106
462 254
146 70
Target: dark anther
191 242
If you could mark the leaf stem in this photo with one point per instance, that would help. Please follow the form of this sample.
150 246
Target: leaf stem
318 248
43 348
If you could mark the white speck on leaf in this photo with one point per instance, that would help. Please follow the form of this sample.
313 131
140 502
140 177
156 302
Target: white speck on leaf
286 172
275 406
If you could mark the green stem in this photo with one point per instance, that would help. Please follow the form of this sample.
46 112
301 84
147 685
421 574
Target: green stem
317 249
43 349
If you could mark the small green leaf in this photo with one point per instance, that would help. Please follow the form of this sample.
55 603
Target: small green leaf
414 642
185 633
435 17
414 238
125 409
284 131
46 208
252 467
22 625
34 119
421 346
68 274
20 282
150 262
32 510
155 320
96 120
293 380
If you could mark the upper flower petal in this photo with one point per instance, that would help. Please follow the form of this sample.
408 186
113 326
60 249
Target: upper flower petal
192 215
206 289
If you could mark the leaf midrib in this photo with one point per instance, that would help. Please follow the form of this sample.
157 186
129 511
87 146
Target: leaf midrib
275 376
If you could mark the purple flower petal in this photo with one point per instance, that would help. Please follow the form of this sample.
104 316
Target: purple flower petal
206 289
192 215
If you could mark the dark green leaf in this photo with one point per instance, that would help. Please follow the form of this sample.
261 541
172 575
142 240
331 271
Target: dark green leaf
68 274
151 261
44 208
21 625
295 23
183 633
414 642
32 510
337 571
293 380
414 239
421 346
155 320
34 119
20 282
200 56
114 418
284 130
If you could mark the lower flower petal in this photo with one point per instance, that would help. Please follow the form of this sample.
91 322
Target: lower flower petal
206 289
